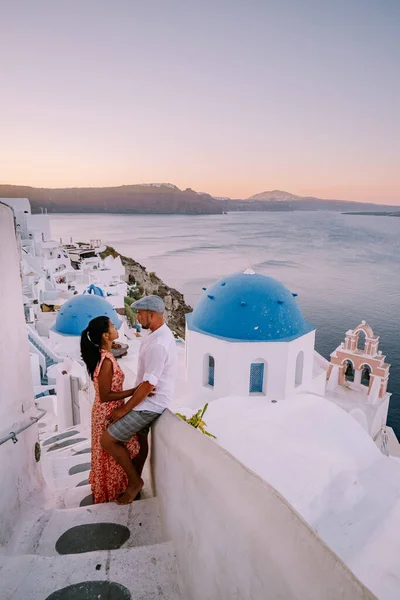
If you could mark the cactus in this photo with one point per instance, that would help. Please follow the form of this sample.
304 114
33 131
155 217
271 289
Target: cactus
197 422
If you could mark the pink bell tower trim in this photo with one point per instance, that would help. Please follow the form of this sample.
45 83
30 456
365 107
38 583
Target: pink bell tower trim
363 366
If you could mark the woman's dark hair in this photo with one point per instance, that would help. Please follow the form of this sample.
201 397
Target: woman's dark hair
91 339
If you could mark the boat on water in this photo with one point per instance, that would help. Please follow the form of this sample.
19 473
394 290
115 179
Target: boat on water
298 497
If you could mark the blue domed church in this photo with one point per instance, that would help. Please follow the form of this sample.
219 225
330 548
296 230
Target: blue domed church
74 316
247 336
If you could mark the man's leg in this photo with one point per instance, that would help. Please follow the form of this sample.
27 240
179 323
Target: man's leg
121 455
140 459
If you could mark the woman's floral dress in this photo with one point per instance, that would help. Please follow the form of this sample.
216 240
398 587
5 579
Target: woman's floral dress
107 478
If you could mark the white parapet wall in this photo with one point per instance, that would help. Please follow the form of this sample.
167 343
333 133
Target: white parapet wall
19 472
234 535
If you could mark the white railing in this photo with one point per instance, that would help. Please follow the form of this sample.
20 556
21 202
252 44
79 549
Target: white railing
12 435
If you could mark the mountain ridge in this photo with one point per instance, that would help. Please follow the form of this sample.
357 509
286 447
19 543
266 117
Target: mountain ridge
276 195
167 198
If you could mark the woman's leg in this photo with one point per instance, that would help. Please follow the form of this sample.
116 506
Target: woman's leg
121 455
141 457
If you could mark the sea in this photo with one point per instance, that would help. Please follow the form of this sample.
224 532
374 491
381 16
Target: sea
345 268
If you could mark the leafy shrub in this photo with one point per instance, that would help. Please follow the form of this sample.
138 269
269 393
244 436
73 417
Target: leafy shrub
130 314
197 422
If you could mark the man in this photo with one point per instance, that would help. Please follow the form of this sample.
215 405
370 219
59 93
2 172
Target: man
155 381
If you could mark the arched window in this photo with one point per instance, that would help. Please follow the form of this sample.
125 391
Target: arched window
298 380
365 375
362 336
209 370
349 370
257 378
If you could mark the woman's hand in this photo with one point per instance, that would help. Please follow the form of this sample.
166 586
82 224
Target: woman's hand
153 393
117 414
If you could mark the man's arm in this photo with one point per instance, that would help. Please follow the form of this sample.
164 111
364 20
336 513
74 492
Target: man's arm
141 393
155 363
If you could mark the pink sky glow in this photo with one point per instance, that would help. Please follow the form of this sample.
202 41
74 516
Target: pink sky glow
230 98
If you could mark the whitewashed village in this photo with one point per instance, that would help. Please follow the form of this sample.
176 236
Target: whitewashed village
296 497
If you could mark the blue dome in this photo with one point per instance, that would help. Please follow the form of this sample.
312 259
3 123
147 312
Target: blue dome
94 289
248 308
75 315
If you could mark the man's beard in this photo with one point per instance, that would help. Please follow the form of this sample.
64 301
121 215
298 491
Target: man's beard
145 326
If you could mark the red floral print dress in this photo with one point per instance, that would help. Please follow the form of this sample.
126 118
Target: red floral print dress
107 478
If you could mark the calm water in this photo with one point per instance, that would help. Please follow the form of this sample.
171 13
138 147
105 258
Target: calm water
344 268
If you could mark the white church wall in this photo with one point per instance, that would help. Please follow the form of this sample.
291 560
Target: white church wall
66 345
304 344
233 361
318 384
380 417
360 417
16 388
210 502
70 345
333 380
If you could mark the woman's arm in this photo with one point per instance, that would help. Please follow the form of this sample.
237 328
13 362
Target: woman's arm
104 380
143 390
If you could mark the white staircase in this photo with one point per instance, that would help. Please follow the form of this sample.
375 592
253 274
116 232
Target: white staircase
102 551
43 350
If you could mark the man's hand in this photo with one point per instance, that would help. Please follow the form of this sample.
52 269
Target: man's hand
117 414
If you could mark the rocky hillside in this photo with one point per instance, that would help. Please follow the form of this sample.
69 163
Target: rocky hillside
157 198
150 283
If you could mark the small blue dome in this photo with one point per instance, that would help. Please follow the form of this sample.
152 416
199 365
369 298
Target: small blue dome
75 315
94 289
248 307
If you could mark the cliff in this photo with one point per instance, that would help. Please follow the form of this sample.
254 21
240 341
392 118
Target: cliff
129 199
150 283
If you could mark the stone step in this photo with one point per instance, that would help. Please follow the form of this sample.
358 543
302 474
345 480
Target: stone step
81 494
65 531
145 573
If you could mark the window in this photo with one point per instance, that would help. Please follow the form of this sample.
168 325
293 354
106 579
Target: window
361 340
299 369
349 370
365 375
211 371
256 378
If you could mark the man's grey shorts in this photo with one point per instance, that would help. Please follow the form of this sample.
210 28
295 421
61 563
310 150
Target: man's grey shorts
136 421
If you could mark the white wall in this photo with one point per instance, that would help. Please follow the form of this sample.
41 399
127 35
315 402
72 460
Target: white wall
234 535
380 417
38 225
19 473
65 345
233 360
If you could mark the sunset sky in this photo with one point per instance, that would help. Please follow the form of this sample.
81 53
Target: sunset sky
224 96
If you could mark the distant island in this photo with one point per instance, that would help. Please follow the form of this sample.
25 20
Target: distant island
168 199
375 213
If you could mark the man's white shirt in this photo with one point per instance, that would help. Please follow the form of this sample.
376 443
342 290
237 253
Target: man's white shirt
156 364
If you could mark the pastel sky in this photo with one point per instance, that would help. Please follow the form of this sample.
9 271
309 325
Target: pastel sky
224 96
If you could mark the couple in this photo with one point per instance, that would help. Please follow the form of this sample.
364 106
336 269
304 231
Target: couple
119 430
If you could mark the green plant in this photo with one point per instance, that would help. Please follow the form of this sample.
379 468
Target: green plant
153 276
130 314
134 294
197 422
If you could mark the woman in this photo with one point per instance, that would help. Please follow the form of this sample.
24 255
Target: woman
107 478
